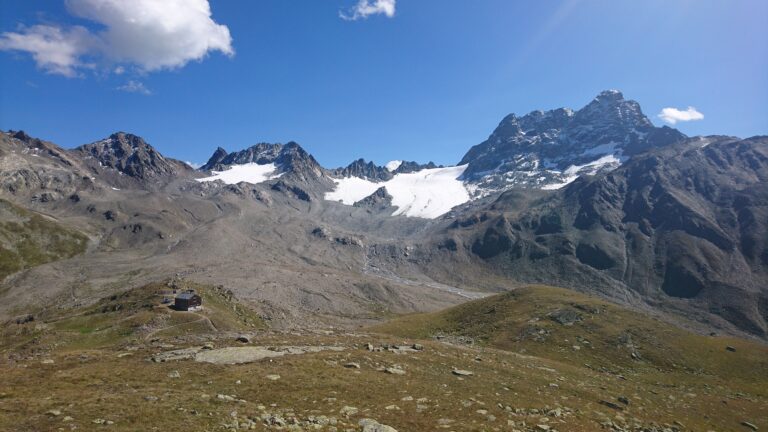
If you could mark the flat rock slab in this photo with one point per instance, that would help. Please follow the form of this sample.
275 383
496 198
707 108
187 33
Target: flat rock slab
240 355
175 355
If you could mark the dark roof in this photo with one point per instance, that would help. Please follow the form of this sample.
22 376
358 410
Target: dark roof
186 296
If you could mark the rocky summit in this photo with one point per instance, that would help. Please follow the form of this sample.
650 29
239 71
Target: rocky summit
547 149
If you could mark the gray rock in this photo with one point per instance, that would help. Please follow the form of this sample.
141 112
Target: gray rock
370 425
749 425
565 317
610 404
348 411
240 355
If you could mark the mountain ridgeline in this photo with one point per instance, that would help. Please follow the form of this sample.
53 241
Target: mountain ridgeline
547 148
598 200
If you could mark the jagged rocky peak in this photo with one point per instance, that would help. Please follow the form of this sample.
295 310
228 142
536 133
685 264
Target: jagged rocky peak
370 171
367 170
288 158
548 149
131 155
410 166
215 159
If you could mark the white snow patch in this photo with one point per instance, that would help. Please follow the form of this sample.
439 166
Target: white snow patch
116 189
594 166
350 190
249 173
393 165
555 186
428 193
574 171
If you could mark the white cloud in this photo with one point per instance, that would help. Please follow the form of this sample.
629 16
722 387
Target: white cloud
674 115
55 50
366 8
151 34
194 165
135 87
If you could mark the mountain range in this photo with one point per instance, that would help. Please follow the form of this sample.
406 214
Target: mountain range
597 200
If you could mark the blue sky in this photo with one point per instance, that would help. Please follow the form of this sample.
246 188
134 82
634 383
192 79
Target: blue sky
424 83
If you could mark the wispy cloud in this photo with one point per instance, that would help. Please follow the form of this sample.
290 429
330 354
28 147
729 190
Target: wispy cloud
55 50
194 165
135 87
149 34
365 8
674 115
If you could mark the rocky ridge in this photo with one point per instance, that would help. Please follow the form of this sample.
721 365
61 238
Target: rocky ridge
547 149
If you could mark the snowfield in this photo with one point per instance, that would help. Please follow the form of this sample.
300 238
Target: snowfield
428 193
249 173
393 165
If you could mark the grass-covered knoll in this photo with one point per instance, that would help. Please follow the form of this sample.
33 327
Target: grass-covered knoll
133 315
571 327
28 239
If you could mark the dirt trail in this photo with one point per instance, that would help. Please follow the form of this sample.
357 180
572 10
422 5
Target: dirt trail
202 318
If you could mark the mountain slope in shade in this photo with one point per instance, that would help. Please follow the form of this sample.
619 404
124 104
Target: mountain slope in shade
548 149
684 227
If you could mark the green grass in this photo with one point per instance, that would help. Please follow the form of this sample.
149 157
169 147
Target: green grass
134 314
28 239
605 338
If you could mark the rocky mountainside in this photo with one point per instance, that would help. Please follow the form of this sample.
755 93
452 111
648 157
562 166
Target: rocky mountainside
547 149
129 155
683 227
37 171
